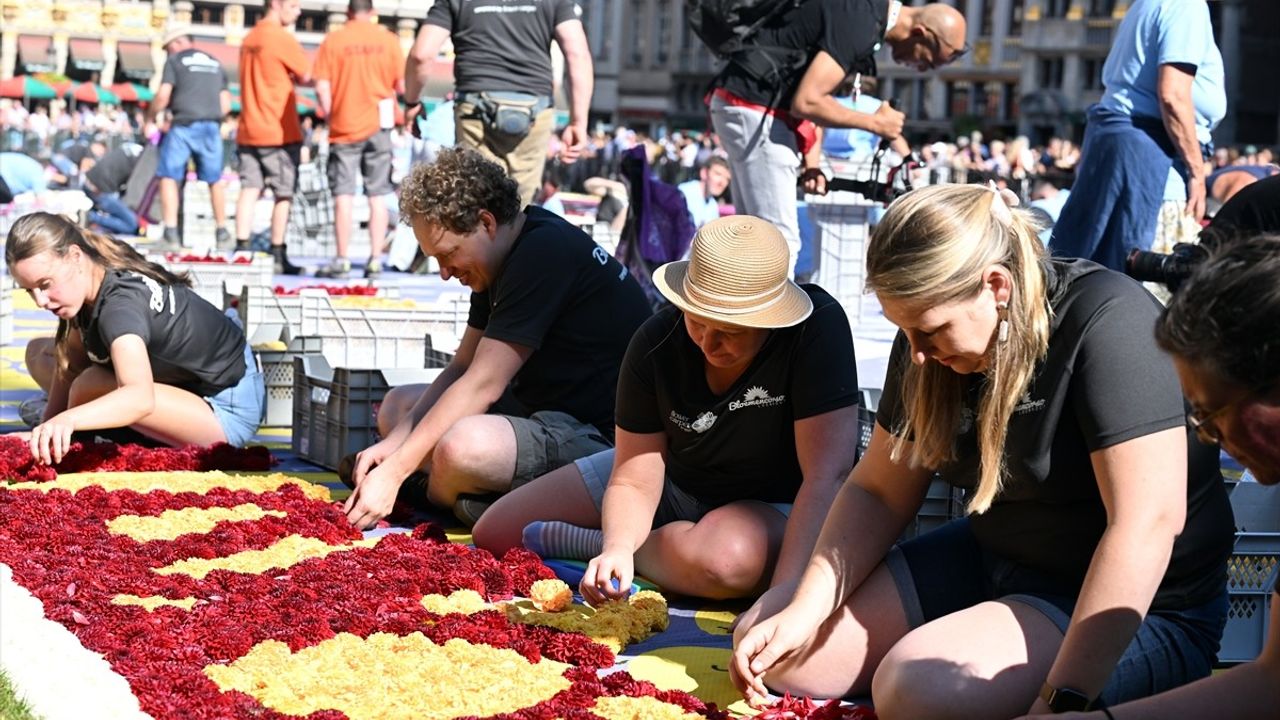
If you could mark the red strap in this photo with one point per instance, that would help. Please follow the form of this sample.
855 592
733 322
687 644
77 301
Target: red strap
806 132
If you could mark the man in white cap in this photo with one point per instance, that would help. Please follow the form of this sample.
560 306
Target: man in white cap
193 89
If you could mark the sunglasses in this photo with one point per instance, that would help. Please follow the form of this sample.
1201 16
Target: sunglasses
1203 422
955 52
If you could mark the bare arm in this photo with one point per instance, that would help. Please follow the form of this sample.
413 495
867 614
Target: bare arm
1173 87
825 445
1143 486
417 67
161 102
813 101
324 93
572 39
224 102
456 368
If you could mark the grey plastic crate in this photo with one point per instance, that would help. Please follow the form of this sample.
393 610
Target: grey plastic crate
1252 571
213 280
260 306
277 372
335 409
372 337
6 311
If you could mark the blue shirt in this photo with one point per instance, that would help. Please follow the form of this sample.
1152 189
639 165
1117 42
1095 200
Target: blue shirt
438 126
22 173
701 208
1164 32
852 143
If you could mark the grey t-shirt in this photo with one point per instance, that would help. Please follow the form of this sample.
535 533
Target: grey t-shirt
197 79
502 46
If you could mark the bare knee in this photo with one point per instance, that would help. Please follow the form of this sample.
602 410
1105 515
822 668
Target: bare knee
395 406
453 461
910 685
729 566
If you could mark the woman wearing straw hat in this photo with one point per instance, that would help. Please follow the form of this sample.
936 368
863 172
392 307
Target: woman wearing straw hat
1091 566
737 409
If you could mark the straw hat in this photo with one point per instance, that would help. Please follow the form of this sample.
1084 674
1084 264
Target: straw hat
175 32
737 273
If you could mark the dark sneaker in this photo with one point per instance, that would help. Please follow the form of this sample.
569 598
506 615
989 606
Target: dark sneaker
373 270
243 245
338 269
172 241
223 239
282 266
468 508
32 410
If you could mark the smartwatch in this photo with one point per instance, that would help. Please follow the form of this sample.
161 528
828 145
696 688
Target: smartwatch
1062 700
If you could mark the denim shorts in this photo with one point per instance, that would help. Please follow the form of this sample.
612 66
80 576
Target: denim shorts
239 408
201 140
675 504
550 439
946 570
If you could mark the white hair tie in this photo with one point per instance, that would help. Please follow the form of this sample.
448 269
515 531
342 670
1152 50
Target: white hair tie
1007 199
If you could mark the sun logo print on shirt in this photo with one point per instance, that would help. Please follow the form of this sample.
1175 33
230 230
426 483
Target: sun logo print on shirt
755 393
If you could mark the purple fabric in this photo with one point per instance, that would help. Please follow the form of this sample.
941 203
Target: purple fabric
664 227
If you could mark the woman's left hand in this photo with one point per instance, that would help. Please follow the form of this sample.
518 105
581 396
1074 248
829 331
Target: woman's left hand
51 439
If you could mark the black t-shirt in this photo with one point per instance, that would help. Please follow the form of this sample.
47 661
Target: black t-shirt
562 295
847 30
111 173
502 45
1103 381
742 444
197 79
1254 209
191 344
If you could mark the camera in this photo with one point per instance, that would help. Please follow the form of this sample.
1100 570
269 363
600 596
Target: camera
1170 270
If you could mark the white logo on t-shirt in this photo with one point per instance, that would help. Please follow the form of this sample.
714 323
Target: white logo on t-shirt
704 422
600 255
756 396
1026 404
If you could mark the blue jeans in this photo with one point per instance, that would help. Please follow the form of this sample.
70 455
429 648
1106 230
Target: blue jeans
239 408
112 215
201 140
946 570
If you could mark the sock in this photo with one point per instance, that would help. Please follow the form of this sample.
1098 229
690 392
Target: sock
553 538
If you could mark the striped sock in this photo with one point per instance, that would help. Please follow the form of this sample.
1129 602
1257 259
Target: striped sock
553 538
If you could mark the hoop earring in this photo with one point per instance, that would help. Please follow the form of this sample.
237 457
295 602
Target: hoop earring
1002 330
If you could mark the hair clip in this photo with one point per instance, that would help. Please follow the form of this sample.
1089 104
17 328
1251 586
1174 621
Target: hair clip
1007 199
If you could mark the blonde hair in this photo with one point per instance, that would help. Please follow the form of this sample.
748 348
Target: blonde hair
932 248
40 232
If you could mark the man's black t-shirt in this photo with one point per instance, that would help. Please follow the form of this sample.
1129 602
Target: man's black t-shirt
190 343
111 173
1103 381
742 444
500 45
847 30
197 79
562 295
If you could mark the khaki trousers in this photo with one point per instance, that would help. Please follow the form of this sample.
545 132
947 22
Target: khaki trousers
523 158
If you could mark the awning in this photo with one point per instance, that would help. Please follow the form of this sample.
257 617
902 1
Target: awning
84 54
35 53
228 55
135 61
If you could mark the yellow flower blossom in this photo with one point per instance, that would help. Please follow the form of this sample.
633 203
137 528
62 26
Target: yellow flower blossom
172 524
151 603
466 602
614 625
390 677
641 708
284 553
174 482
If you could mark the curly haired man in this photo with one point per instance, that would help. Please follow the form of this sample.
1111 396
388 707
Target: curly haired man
532 385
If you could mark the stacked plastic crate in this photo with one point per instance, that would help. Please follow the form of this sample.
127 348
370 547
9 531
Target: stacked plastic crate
311 219
841 228
214 276
1252 571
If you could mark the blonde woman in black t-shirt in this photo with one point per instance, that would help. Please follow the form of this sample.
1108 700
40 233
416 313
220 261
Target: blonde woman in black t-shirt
736 424
136 347
1091 566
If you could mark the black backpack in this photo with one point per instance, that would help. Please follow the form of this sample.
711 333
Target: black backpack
726 25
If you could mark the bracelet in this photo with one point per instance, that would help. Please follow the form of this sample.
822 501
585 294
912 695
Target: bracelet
1107 712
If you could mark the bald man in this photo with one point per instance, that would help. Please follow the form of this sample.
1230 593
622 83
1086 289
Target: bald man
788 72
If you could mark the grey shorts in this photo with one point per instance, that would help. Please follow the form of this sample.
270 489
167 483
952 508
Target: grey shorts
549 440
675 504
370 157
274 167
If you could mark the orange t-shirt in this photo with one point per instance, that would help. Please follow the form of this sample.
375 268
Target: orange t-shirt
270 59
363 63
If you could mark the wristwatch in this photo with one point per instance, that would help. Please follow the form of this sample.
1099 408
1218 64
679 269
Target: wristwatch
1065 699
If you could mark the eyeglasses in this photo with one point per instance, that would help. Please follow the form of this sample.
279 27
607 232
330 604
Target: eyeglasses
1203 422
955 52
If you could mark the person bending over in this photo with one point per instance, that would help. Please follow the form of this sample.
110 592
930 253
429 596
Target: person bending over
531 386
1092 563
737 423
136 347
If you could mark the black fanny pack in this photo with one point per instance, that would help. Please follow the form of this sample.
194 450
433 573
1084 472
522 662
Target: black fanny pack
507 113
